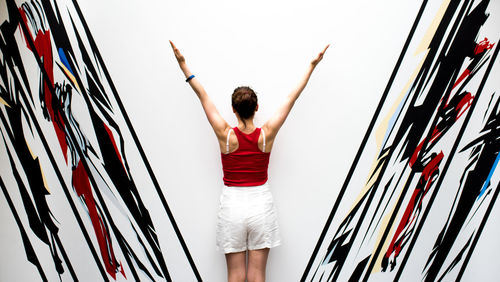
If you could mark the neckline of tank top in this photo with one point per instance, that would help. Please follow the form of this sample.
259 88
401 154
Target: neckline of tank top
244 132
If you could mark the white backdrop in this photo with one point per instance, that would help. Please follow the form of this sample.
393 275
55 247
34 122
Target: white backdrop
266 45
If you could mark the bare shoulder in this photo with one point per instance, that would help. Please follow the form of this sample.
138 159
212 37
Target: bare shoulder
268 136
269 131
222 133
232 141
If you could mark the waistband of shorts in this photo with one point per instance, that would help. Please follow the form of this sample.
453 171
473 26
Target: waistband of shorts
262 187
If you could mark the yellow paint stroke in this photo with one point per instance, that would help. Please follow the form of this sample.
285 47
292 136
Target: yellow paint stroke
379 134
35 157
4 102
383 226
384 124
43 177
29 149
426 40
422 47
382 129
373 176
69 75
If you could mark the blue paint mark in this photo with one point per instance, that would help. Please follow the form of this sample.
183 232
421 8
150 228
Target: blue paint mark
327 259
392 120
487 182
64 60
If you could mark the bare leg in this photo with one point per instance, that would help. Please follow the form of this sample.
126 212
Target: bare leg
257 260
236 266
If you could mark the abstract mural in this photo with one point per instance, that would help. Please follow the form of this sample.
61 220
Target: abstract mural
53 85
425 174
433 144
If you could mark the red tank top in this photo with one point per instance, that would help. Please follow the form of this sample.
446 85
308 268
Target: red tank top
247 166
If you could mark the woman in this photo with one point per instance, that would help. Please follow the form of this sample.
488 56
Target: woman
247 225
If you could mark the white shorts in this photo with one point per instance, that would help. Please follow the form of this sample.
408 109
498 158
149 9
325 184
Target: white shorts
247 219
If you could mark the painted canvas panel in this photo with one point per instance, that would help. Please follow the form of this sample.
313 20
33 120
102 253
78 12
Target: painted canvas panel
70 146
433 145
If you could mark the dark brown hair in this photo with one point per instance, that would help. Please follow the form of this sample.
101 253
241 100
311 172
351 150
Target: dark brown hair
244 101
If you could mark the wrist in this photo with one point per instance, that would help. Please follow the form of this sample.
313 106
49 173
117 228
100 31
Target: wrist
311 67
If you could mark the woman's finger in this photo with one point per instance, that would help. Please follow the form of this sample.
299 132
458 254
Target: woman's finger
324 50
176 51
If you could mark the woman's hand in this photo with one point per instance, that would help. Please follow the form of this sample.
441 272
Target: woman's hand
177 53
273 125
219 125
318 58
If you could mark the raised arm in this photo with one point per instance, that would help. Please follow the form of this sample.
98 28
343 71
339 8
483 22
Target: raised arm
273 125
219 125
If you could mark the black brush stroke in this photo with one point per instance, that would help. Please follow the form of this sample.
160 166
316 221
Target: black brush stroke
364 141
358 271
69 131
40 217
460 47
479 231
379 205
387 204
456 260
431 101
119 176
30 252
71 135
448 162
136 140
36 223
16 17
120 239
340 255
471 190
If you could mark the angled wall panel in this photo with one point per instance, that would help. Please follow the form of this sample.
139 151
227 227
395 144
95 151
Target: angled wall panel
436 141
70 186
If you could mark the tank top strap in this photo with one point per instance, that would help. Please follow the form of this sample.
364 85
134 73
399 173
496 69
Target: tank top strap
263 140
227 140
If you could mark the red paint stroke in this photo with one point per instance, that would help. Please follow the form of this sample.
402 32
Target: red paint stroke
480 48
112 138
483 46
80 178
83 189
462 77
44 49
462 106
414 206
123 272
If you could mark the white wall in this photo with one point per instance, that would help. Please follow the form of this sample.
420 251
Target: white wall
266 45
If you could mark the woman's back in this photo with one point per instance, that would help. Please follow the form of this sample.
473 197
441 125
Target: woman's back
247 164
247 221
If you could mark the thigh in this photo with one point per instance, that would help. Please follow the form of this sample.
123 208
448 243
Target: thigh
257 260
236 266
